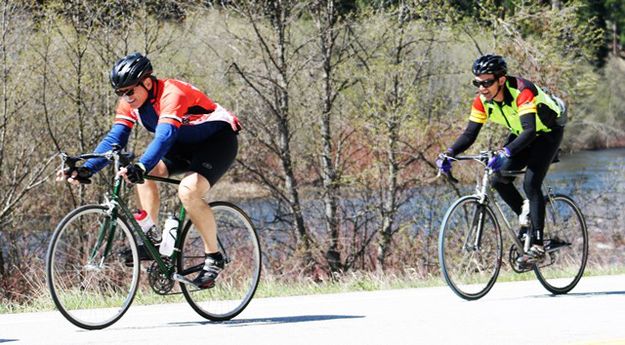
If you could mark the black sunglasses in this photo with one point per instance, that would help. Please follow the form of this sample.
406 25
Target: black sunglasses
128 92
485 83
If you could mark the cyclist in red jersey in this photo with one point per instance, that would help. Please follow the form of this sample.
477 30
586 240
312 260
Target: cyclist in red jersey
192 135
536 123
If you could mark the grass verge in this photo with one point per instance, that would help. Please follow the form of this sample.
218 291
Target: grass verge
273 287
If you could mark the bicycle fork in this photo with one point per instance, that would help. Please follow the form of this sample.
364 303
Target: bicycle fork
477 222
473 243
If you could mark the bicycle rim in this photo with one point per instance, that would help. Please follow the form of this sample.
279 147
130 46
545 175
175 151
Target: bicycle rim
88 280
566 243
237 283
470 269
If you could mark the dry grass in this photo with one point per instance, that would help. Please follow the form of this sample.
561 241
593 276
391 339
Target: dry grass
272 286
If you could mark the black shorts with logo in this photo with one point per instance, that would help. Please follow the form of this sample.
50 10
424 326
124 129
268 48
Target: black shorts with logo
210 158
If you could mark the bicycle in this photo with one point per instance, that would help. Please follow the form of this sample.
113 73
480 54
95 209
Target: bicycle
470 243
93 286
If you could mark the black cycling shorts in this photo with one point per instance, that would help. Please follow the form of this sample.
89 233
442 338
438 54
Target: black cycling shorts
210 158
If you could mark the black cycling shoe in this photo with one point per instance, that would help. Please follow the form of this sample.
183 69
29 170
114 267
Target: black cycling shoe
126 255
210 271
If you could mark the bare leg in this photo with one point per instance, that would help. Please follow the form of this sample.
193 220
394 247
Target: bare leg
148 194
191 192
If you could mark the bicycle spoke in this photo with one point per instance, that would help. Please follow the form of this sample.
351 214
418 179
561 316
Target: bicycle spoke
237 283
469 263
565 230
90 286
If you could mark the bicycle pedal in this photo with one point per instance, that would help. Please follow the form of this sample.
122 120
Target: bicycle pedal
182 279
556 244
549 260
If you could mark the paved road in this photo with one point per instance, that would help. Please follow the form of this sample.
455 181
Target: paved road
512 313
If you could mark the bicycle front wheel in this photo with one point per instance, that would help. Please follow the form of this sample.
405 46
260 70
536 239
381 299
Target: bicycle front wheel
237 283
470 248
566 244
87 276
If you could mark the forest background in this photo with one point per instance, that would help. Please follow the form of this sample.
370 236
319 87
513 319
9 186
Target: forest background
344 104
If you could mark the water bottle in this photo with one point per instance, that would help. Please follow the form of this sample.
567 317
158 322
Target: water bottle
147 225
170 230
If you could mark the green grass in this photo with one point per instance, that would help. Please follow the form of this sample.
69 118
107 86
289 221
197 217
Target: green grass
346 283
271 287
509 276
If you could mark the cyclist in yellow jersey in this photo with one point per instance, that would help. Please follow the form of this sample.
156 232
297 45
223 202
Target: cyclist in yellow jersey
536 123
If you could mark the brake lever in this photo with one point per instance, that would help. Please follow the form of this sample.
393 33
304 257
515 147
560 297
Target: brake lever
68 161
126 158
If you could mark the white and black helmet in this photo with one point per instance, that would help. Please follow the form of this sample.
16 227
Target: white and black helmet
490 64
130 70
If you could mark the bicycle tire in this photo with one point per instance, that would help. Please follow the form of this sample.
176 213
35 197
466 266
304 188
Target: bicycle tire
565 227
86 273
237 283
469 270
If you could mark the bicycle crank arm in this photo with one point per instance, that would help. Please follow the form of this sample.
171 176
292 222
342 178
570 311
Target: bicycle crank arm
179 278
550 249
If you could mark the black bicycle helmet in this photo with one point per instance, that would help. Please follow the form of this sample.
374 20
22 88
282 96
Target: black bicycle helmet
490 64
130 70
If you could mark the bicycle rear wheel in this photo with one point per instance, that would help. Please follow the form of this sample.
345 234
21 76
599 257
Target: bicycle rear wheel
237 283
566 244
470 248
86 274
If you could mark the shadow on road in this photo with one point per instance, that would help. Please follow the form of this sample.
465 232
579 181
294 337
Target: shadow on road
598 293
242 322
7 340
271 320
583 294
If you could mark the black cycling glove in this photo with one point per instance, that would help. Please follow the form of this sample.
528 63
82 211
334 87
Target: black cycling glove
135 173
83 174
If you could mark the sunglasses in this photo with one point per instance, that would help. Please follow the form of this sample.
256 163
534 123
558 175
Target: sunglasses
485 83
127 92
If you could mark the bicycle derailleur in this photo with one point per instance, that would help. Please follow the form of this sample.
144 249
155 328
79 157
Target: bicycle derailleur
160 283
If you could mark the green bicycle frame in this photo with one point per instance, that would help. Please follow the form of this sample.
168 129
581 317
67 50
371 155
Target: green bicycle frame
116 206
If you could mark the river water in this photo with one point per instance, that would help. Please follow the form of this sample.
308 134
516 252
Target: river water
597 171
594 179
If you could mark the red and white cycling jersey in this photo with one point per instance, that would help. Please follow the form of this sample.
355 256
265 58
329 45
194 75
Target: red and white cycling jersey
177 103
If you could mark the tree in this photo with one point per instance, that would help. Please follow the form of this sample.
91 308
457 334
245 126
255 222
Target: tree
333 48
394 91
21 165
270 80
615 10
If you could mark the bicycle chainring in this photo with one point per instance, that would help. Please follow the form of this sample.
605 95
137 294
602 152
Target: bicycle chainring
512 258
160 283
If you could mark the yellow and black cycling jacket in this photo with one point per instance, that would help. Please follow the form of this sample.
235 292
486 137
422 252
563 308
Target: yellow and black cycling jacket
527 111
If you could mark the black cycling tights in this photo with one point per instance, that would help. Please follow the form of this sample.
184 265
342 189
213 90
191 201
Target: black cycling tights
536 157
